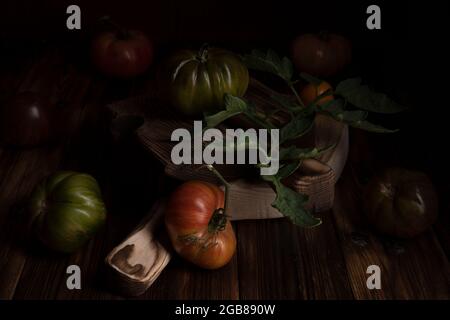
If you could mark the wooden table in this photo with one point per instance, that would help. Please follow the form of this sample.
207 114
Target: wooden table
274 259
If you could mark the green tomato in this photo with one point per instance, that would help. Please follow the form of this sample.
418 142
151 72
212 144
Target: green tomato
400 202
67 209
194 82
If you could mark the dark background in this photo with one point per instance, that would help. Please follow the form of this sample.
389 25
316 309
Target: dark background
404 59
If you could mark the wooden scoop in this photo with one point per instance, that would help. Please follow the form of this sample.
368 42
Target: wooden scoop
139 259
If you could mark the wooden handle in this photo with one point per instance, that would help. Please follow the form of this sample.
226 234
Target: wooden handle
136 263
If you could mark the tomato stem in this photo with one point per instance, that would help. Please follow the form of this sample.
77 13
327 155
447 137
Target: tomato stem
225 183
121 32
202 54
291 86
324 35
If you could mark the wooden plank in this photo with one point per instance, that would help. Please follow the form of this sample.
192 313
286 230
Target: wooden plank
278 260
267 259
63 85
441 227
182 280
89 150
323 266
21 170
28 168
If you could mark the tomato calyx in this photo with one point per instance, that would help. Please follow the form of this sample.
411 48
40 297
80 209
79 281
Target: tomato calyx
324 35
120 32
202 54
218 221
389 191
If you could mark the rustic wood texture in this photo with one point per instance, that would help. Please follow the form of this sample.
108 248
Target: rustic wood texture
274 259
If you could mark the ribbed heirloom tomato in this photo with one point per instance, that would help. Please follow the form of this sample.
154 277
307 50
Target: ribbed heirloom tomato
67 210
197 226
194 82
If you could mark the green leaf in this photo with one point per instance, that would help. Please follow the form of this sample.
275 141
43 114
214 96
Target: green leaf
292 204
271 63
296 128
365 98
288 169
310 79
335 108
352 116
233 107
332 107
287 69
368 126
295 153
258 53
273 57
261 63
289 104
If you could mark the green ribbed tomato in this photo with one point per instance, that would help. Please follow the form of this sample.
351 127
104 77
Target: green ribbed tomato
194 82
67 209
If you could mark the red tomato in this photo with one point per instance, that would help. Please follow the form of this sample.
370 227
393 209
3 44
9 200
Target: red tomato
321 55
197 227
122 54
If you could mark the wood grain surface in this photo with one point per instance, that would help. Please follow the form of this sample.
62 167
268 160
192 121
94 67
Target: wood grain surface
274 259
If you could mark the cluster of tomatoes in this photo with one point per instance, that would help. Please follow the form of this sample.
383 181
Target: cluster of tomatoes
190 81
194 82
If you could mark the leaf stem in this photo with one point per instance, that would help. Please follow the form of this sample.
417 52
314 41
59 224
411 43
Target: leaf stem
291 86
225 183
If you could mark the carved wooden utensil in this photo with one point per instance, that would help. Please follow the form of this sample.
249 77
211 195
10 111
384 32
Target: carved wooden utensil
136 263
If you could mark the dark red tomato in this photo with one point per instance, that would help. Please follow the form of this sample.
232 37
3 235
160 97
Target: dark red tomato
197 227
321 55
122 54
401 203
25 120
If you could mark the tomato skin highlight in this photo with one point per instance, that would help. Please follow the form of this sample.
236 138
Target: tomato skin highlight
26 120
188 222
310 92
321 55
